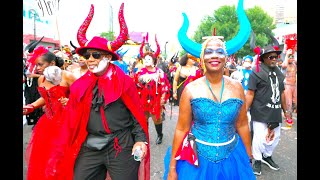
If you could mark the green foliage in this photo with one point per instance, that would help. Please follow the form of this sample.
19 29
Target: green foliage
108 35
226 23
182 52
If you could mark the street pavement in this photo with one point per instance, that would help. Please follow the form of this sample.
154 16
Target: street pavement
285 154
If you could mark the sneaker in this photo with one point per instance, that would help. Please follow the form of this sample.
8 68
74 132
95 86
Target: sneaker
257 167
268 161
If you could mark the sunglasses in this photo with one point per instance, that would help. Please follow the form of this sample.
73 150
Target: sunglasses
96 55
67 61
291 56
272 57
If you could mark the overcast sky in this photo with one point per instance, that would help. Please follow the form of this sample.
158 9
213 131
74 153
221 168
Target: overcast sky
162 17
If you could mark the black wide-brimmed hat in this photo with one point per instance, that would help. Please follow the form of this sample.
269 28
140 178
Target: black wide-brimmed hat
260 52
274 47
268 49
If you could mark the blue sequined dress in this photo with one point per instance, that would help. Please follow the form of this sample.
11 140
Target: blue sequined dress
215 122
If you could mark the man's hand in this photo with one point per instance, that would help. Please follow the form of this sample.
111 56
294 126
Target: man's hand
143 148
270 135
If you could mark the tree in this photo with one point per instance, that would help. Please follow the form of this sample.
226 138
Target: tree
108 35
226 23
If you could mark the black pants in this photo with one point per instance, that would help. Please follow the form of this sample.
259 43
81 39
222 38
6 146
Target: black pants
94 164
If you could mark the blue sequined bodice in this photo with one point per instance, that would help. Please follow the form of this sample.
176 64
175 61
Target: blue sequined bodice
215 123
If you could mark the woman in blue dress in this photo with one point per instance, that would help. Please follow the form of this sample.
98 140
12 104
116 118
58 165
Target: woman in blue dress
212 138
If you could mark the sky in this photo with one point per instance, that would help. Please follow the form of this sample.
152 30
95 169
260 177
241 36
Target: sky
161 17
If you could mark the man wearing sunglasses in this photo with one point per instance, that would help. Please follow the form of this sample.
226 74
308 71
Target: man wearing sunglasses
265 99
104 123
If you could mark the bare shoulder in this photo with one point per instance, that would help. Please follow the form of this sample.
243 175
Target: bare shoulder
40 79
68 75
195 85
232 82
233 88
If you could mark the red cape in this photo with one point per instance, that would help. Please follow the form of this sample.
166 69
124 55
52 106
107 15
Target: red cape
115 85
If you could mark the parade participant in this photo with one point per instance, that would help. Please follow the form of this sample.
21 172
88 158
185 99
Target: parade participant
290 68
246 71
212 139
31 92
163 65
198 74
103 123
121 63
81 61
173 66
232 65
78 72
65 57
186 69
243 72
136 66
153 86
53 86
266 98
72 64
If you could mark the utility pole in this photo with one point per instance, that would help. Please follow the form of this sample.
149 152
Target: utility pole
35 14
165 50
110 17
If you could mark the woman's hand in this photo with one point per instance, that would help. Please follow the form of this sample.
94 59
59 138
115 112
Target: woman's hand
172 174
64 100
175 96
27 109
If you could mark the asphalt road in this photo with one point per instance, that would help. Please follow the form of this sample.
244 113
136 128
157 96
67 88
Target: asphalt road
285 154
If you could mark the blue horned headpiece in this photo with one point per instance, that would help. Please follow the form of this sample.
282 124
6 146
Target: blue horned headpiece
230 46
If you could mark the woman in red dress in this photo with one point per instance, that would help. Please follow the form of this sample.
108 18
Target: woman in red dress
53 86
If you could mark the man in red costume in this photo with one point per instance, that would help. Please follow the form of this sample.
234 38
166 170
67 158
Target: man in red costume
104 124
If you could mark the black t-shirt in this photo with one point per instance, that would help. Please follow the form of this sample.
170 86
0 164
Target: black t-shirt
268 86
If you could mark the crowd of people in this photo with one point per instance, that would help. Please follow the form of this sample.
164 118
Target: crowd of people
90 109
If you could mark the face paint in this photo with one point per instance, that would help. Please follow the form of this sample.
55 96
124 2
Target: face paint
101 66
148 61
